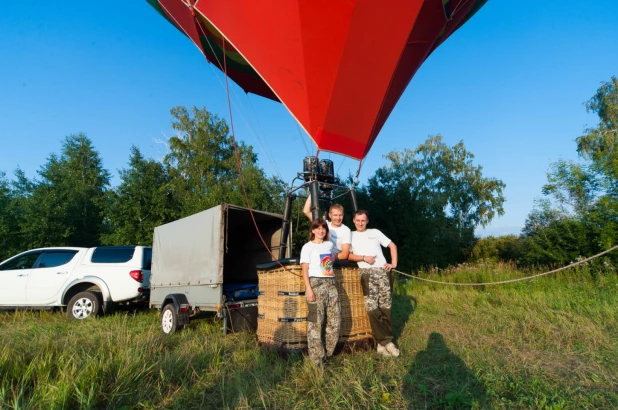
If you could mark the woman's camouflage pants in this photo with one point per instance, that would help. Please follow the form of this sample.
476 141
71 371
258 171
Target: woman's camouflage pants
326 305
377 286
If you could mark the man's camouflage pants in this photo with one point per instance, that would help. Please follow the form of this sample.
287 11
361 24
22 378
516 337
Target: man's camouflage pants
327 306
377 286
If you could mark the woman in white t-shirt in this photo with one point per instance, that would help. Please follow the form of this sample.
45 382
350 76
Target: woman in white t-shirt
316 259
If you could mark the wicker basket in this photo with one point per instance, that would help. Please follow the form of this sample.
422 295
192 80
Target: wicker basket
354 320
282 307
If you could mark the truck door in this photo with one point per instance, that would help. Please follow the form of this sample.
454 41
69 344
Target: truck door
14 275
49 275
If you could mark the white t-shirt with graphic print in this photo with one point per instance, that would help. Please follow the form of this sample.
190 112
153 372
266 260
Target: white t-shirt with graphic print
320 258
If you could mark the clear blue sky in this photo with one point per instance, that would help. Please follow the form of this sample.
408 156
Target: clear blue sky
511 84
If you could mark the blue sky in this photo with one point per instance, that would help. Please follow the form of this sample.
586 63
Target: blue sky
511 84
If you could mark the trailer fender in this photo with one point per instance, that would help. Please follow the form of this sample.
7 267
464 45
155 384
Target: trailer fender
181 305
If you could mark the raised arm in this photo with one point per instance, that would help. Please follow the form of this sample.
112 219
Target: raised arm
307 208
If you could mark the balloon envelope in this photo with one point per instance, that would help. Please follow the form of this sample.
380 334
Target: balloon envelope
338 66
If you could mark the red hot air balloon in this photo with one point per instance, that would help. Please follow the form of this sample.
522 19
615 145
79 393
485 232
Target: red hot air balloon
338 66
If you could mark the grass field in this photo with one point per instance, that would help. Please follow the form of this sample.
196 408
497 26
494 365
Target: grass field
551 343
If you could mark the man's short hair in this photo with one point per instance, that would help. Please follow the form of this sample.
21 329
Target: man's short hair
361 212
336 206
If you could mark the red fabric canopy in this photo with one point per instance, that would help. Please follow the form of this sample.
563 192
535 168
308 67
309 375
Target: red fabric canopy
338 66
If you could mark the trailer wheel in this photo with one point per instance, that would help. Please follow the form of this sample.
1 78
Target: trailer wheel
169 319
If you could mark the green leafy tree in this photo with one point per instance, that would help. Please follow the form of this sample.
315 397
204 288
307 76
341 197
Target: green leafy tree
9 235
550 236
140 203
204 169
585 194
503 248
599 147
18 206
65 206
429 201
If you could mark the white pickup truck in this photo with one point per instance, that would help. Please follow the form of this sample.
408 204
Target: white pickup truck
88 281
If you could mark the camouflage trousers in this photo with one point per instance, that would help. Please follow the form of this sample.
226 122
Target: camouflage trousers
377 286
326 306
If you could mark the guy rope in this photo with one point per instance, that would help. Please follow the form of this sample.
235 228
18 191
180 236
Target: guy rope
512 280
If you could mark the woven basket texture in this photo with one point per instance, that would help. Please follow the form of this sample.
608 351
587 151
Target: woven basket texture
282 307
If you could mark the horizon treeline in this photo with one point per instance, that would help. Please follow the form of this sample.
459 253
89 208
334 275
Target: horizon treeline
429 200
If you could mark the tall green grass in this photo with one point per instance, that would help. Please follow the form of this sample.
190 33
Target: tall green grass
550 343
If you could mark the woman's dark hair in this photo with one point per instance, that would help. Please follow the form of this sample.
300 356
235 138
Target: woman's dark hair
317 223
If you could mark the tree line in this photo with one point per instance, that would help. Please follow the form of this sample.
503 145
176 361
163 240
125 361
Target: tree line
429 200
72 203
578 213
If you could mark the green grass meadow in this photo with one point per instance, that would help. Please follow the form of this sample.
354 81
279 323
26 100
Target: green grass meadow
549 343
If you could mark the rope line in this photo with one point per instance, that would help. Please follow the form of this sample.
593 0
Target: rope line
457 8
266 150
239 163
511 280
340 165
360 165
237 102
302 138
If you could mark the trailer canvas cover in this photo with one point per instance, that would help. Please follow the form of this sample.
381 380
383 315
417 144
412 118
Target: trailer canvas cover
190 250
217 246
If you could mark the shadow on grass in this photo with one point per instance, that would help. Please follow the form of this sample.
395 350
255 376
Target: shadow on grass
404 306
440 379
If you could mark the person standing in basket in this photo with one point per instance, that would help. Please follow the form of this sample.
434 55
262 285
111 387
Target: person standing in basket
316 259
376 279
340 235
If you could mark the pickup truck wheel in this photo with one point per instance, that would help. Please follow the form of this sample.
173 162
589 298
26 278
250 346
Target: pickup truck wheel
84 305
169 319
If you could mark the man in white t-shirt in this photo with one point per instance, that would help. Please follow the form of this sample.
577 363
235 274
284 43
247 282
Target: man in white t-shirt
376 279
340 235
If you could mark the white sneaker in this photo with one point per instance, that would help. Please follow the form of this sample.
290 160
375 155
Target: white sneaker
382 350
392 349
